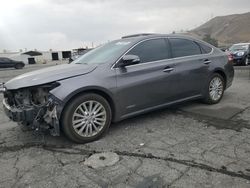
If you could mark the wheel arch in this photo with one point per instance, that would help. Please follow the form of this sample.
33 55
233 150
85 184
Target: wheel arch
222 73
96 90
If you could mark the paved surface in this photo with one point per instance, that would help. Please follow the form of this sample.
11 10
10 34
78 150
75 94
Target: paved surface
189 145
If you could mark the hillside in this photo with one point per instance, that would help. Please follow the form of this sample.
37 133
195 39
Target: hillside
226 29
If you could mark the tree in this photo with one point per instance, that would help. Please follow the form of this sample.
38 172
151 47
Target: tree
210 40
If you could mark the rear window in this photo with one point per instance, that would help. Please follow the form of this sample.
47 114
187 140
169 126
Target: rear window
184 47
205 49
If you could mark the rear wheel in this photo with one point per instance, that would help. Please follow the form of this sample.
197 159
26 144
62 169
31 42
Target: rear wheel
86 118
246 62
215 89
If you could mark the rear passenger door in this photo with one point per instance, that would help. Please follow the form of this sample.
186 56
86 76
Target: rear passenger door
191 65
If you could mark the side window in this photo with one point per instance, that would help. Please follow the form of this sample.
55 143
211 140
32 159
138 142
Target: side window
3 59
184 47
151 50
205 49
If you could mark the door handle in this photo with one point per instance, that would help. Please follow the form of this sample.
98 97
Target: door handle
207 61
168 69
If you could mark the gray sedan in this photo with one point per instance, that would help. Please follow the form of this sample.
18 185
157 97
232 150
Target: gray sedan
121 79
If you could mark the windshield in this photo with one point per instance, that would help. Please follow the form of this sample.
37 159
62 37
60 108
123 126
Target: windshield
239 47
106 53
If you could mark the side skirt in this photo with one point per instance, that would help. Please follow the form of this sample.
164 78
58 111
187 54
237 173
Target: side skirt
158 107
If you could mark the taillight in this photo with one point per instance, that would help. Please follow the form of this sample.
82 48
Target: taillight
230 57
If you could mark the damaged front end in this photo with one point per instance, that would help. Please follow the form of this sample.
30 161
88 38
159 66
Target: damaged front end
34 107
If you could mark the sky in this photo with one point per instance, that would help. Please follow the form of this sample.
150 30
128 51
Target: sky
68 24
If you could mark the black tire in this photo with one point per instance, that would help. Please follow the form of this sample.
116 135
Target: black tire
19 66
67 117
246 62
208 98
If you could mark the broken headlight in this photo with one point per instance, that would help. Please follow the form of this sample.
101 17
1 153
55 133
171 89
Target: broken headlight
32 96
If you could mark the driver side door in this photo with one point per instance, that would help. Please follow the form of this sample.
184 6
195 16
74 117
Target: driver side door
149 83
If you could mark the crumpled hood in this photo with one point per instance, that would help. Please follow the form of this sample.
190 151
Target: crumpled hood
47 75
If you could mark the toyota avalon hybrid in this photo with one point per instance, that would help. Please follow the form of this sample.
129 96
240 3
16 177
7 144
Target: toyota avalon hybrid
123 78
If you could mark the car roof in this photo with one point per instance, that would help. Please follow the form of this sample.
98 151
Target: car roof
244 43
143 36
140 36
150 35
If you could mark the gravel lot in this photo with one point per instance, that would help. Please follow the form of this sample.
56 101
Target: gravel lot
189 145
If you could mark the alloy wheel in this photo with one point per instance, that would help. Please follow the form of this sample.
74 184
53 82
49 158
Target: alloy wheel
216 88
89 118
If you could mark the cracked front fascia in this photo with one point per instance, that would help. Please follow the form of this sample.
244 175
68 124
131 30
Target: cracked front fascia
45 116
52 117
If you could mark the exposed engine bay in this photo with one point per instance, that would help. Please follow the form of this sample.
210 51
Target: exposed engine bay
25 98
33 107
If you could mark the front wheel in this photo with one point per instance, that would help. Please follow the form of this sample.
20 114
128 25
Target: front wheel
86 118
19 66
215 89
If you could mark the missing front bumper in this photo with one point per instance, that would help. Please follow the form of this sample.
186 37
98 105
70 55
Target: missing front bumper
16 114
37 118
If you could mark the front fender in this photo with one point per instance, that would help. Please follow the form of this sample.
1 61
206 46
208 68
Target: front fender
87 89
70 88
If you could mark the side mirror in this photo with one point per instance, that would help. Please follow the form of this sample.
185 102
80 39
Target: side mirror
129 60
